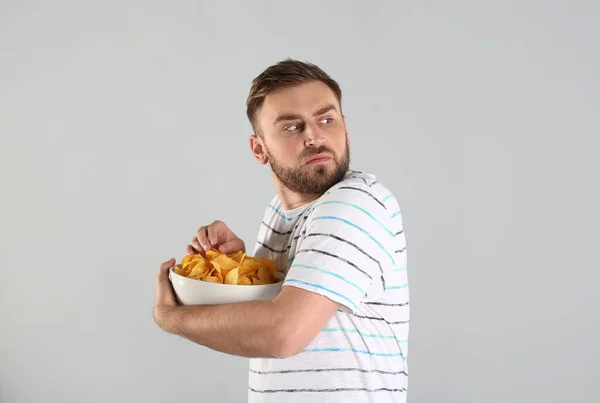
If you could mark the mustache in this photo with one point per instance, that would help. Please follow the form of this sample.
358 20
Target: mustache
314 151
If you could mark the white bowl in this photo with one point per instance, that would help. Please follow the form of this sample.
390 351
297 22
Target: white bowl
190 291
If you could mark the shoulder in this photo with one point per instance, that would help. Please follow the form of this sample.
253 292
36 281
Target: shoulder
354 211
359 189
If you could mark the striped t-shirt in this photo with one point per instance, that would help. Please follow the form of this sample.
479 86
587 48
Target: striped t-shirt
348 245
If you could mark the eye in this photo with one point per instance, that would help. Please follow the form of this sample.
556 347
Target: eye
326 120
292 128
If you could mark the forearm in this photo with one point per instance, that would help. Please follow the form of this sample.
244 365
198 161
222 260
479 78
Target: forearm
247 329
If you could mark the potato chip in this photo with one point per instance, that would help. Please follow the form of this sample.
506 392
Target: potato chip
269 264
193 263
202 267
216 266
225 262
191 258
211 254
256 281
212 279
238 256
249 265
197 273
264 275
243 280
180 271
220 276
253 260
186 260
207 273
232 276
207 265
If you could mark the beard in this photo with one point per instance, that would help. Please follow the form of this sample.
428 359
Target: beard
314 178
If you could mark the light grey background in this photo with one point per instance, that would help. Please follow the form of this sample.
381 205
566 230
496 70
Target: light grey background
123 129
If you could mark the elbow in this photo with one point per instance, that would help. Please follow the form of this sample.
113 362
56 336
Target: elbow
285 350
286 342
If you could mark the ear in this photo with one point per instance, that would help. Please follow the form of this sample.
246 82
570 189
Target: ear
346 130
258 149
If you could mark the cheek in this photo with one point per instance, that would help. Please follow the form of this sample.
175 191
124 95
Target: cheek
340 141
288 150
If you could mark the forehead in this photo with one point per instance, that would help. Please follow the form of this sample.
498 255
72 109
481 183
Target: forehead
301 99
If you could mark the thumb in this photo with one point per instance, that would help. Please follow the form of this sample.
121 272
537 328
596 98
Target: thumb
216 234
232 246
168 264
163 284
163 272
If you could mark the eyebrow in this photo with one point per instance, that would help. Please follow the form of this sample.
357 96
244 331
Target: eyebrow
321 111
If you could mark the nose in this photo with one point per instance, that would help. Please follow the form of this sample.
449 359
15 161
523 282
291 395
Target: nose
314 137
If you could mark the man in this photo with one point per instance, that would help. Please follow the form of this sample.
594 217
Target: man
338 329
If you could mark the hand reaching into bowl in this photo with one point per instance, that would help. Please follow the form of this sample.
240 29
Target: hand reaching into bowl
216 235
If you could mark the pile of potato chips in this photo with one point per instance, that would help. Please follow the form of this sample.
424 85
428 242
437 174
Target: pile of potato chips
220 268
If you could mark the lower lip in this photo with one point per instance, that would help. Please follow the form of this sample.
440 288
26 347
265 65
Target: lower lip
319 160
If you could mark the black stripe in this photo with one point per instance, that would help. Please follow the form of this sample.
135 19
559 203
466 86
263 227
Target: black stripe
364 180
327 390
348 242
400 250
290 371
337 257
386 304
364 191
278 232
399 232
281 250
357 248
400 322
274 250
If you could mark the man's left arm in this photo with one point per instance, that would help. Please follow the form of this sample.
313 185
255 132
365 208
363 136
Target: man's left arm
272 329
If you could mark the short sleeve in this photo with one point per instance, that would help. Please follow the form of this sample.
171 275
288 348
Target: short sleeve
346 247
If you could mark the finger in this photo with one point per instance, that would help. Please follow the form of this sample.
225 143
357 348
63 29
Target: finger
190 250
232 246
196 245
217 233
202 237
163 285
163 271
165 266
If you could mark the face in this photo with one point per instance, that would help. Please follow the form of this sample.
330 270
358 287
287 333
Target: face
303 137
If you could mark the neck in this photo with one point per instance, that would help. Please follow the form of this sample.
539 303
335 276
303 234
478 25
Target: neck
291 199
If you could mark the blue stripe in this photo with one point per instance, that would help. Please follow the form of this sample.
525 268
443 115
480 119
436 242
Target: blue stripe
292 280
386 197
318 350
397 287
377 336
282 215
396 214
289 262
306 266
399 269
360 209
357 227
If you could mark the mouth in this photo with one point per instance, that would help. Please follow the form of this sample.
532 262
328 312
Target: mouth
318 159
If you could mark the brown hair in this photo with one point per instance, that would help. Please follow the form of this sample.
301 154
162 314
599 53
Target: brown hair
286 73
